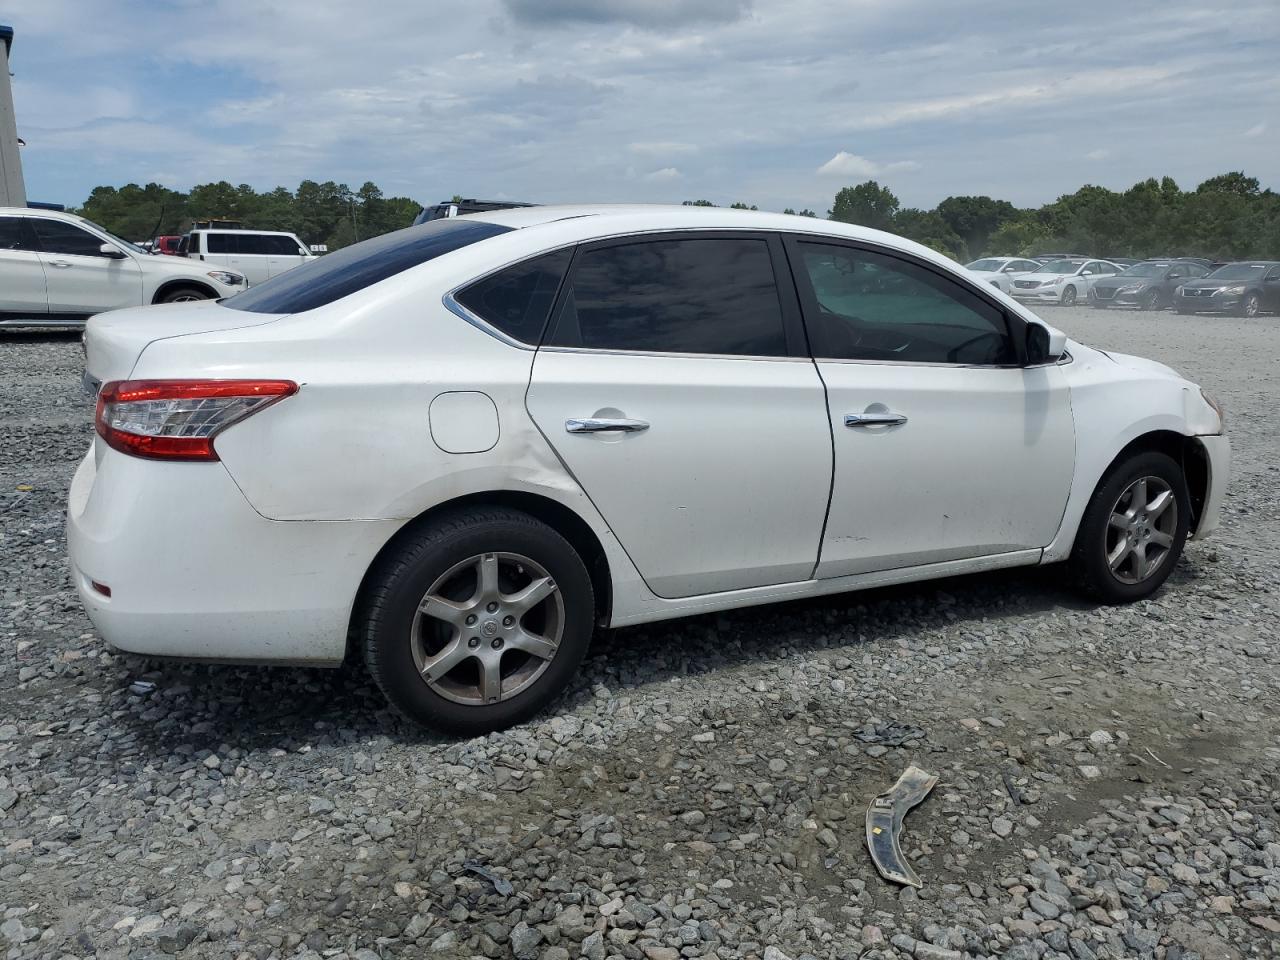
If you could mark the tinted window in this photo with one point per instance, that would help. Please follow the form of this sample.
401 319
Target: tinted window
13 236
65 238
697 295
870 306
184 245
254 244
221 243
355 267
517 300
1274 274
281 246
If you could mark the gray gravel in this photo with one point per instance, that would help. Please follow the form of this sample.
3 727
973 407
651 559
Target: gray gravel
1109 778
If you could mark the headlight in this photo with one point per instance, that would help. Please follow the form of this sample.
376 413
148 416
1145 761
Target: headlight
1239 288
227 277
1131 288
1218 408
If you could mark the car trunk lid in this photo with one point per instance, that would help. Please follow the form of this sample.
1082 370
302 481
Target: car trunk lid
113 341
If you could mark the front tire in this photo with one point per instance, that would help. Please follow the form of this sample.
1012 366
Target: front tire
1069 296
184 295
1133 529
1250 305
477 620
1150 300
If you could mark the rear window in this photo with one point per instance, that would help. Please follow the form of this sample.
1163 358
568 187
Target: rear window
353 268
517 300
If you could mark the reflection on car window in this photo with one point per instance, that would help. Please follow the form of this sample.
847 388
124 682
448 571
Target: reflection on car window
64 238
871 306
700 295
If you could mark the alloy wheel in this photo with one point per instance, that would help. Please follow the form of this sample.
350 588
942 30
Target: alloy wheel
1068 296
1251 305
1141 529
487 628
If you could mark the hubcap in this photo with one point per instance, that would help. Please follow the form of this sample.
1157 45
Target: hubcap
487 628
1141 529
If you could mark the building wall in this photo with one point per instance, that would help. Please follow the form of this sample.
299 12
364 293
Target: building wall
12 191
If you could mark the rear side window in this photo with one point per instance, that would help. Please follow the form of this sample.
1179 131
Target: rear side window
517 300
697 295
353 268
13 235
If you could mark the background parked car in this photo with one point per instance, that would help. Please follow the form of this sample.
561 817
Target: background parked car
1247 288
1050 257
1148 285
58 269
1001 271
1062 281
258 254
439 211
167 245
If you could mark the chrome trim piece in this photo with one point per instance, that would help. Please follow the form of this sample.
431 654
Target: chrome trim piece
458 310
603 425
681 356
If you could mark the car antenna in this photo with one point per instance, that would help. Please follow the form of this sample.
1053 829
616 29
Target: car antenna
156 232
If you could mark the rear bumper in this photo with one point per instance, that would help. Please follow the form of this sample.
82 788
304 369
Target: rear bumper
1218 452
194 572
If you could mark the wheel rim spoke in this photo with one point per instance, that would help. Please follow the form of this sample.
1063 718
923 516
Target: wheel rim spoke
1141 566
1159 504
531 596
445 660
1117 556
487 576
447 610
1119 521
491 678
531 643
1161 539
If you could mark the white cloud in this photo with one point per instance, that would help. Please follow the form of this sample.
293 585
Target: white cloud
663 175
1100 154
845 164
1257 130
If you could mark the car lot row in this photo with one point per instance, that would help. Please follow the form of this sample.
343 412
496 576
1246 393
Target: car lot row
1186 284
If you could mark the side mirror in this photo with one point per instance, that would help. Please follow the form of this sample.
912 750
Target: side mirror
112 251
1044 344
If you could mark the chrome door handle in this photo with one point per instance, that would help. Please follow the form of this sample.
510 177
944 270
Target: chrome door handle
59 263
873 419
598 425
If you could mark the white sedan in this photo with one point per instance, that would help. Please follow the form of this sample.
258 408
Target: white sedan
1000 272
1063 281
468 444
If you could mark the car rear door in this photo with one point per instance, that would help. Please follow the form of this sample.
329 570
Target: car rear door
22 282
80 278
946 448
674 384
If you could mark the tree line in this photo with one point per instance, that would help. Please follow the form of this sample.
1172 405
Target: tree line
329 213
1227 217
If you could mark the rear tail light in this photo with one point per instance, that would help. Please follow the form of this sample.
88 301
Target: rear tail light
178 419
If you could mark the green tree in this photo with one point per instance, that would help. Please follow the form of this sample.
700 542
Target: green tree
974 219
698 203
930 228
868 204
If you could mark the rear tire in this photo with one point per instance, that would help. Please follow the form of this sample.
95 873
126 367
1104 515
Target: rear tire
183 295
446 636
1132 535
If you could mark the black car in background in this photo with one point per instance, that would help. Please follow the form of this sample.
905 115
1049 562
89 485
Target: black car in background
1246 289
458 208
1148 285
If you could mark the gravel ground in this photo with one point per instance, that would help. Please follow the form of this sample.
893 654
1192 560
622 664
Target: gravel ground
1109 777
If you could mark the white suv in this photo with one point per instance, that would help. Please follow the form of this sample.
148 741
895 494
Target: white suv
58 269
258 254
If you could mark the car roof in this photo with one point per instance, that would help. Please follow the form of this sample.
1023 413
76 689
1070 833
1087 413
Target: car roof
278 233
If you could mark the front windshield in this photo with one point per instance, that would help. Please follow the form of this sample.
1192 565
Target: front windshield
1239 271
987 266
1146 270
124 243
1060 266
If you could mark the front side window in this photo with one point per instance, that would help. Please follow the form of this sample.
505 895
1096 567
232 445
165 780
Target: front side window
517 300
13 234
864 305
696 295
254 244
67 239
360 265
278 246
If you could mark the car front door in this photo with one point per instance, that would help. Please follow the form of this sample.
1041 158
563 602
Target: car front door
81 278
674 384
946 448
283 253
1271 290
22 283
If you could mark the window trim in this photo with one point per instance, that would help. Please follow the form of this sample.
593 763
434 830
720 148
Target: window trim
39 248
794 336
1015 326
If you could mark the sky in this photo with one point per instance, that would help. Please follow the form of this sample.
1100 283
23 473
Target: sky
778 103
